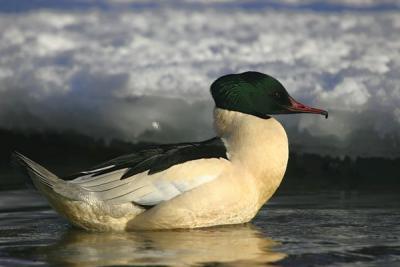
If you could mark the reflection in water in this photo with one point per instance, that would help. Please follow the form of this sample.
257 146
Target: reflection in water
316 230
241 245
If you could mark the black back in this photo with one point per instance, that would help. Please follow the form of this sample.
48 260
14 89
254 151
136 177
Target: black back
157 158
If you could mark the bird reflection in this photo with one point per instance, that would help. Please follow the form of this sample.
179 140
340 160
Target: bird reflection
241 245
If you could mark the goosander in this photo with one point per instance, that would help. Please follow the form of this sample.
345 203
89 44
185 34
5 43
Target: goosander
220 181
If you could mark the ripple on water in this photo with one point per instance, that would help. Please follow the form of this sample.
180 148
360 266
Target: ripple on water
280 235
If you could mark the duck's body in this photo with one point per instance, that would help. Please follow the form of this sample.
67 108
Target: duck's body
225 180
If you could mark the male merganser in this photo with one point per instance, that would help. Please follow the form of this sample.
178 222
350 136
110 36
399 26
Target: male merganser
224 180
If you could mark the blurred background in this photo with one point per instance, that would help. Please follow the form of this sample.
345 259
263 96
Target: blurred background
82 81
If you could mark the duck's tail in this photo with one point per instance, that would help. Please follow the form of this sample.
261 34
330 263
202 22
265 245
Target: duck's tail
73 202
42 179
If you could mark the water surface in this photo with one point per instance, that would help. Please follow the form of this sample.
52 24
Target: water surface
325 229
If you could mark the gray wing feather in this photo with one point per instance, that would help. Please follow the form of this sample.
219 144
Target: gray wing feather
141 177
143 189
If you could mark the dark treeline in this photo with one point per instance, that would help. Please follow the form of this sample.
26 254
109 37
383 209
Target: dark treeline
315 172
68 152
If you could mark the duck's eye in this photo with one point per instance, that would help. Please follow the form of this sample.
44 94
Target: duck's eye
276 95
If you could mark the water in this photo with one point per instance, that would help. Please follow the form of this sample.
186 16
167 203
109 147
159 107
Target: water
329 229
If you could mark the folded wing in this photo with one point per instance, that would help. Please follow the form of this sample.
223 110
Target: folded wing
154 174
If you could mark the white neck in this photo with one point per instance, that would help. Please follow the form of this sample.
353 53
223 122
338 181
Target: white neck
259 145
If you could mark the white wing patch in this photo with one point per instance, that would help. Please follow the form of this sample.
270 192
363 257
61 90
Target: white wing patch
150 190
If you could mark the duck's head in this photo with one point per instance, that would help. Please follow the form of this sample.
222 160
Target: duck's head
256 94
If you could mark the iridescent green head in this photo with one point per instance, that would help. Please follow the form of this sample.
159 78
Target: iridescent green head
256 94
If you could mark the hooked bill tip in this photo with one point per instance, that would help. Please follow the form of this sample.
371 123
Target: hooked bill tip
325 113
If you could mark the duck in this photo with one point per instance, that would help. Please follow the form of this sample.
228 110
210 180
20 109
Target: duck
224 180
